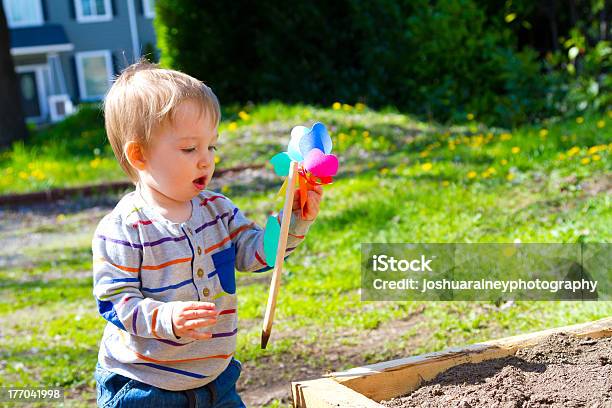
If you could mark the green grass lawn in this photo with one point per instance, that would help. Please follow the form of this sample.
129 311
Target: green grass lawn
400 180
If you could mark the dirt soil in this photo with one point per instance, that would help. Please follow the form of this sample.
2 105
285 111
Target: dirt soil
563 371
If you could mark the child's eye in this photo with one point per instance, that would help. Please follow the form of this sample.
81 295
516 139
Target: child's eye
189 150
212 148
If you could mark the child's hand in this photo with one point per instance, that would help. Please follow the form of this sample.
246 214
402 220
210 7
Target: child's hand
188 316
311 208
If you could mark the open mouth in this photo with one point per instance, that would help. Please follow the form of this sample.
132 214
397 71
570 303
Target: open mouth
200 183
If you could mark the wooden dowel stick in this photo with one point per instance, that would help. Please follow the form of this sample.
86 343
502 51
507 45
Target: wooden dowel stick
280 256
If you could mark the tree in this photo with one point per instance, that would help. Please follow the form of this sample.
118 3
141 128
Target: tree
12 124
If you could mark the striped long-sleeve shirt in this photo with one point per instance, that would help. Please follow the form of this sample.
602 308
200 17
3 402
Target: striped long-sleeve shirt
144 263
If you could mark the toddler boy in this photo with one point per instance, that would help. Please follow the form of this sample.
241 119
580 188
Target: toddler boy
164 258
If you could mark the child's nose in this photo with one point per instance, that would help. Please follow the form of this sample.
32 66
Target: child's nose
204 162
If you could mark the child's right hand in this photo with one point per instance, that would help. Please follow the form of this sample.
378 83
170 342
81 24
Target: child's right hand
187 317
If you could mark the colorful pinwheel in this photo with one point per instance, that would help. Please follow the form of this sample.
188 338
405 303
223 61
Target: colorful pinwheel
307 162
311 149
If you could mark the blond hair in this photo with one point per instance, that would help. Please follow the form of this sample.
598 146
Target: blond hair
145 96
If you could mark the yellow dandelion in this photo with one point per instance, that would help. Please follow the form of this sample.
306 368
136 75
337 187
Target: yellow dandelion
243 115
365 133
38 174
225 189
596 157
585 160
516 150
492 170
336 106
424 153
601 124
232 126
470 116
23 175
445 183
472 174
504 162
510 176
384 171
451 145
593 150
346 107
95 163
573 151
60 218
505 136
342 137
217 159
360 106
353 132
579 120
426 166
543 132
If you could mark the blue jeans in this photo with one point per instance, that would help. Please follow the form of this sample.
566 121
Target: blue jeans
115 390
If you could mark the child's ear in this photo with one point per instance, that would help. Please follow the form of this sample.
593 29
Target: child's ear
135 154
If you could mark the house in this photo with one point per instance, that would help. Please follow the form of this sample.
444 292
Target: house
67 51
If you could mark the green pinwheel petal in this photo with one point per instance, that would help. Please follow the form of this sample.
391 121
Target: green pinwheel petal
281 162
271 237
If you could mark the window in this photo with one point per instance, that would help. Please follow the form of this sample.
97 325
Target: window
22 13
91 11
149 8
94 72
60 106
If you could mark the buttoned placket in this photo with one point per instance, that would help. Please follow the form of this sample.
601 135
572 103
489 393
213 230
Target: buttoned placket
201 280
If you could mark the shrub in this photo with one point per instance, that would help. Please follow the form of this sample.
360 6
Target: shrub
440 59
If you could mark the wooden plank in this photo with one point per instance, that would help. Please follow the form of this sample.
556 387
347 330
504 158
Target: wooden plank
412 372
397 377
327 393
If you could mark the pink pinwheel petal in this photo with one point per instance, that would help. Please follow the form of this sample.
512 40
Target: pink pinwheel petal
321 164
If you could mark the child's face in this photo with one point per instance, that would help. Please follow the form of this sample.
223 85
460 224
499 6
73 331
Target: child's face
181 159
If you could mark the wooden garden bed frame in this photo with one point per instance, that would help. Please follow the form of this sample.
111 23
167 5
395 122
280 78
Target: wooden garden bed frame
363 387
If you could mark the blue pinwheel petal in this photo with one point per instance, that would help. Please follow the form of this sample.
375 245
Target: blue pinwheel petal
310 141
320 132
